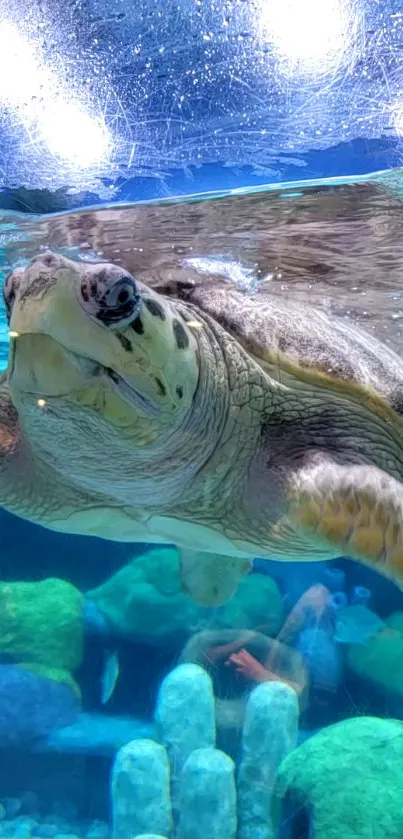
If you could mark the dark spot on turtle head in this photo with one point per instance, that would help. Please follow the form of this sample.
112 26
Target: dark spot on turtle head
154 308
37 287
124 342
179 391
180 334
161 387
93 288
84 292
138 326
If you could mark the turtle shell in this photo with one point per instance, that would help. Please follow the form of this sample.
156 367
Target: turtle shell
291 339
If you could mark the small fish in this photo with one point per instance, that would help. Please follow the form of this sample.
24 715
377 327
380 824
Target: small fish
109 677
356 625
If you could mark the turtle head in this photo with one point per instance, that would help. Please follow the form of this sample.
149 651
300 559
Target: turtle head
89 341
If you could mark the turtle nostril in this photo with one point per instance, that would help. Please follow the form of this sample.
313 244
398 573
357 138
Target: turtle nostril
47 259
50 261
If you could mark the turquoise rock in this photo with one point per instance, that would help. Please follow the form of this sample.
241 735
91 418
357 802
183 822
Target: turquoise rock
46 830
269 733
349 777
207 798
140 790
12 807
185 716
145 602
98 830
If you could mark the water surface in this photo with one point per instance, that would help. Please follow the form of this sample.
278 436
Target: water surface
335 246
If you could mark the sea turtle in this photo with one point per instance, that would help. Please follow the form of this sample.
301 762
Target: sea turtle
233 425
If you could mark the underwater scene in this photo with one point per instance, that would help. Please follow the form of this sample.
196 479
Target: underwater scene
201 606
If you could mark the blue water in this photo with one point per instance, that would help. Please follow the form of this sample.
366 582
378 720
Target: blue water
261 143
104 655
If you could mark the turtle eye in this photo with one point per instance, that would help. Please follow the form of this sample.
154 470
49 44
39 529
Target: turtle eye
110 299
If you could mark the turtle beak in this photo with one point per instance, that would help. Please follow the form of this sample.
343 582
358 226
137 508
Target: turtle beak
134 398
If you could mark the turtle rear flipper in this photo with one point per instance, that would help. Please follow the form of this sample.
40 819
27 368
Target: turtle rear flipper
211 579
356 509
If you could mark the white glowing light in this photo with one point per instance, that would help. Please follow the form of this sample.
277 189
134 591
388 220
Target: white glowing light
398 119
46 110
20 77
41 403
195 324
307 32
74 135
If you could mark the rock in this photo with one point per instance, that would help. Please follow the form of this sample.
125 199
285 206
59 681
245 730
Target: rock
65 809
67 836
270 732
46 830
97 734
145 601
12 806
349 776
379 659
31 707
7 828
23 827
96 624
184 712
323 658
24 821
97 830
30 802
41 626
185 716
140 790
207 796
61 824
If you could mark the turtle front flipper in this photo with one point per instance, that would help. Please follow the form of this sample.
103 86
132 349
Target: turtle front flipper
9 428
209 579
355 510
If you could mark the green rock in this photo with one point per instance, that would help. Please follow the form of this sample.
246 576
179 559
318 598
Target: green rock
41 626
380 658
145 601
350 779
